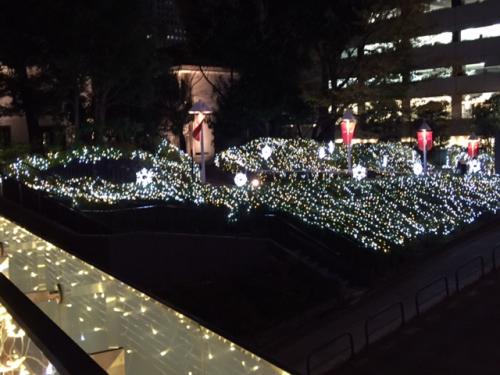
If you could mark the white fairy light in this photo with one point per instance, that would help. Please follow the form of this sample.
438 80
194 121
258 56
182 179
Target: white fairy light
322 153
331 147
378 215
255 183
385 161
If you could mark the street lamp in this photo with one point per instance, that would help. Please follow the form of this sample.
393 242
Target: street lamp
348 126
200 110
424 136
473 146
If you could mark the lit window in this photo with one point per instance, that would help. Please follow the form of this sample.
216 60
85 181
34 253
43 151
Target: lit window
480 68
348 53
420 102
470 100
378 48
481 32
474 69
384 15
346 82
388 79
430 40
425 74
438 5
467 2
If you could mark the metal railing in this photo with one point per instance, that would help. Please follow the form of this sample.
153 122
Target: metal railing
466 266
460 276
401 316
323 348
420 292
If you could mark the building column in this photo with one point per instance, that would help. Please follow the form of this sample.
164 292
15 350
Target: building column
406 108
456 107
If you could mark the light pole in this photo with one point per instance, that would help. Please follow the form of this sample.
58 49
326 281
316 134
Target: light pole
348 126
200 110
424 136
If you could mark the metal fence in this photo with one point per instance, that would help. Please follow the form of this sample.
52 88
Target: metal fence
394 316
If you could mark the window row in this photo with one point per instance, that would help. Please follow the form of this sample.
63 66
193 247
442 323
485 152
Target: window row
468 103
475 33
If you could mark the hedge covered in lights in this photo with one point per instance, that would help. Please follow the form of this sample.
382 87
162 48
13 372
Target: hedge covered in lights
380 213
296 155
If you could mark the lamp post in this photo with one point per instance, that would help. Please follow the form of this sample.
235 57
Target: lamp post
473 146
424 136
200 110
348 126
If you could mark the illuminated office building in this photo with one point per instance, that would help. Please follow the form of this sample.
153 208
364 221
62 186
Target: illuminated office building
455 58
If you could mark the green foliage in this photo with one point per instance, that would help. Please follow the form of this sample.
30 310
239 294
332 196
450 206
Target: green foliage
9 154
301 155
380 213
487 117
437 115
96 63
383 118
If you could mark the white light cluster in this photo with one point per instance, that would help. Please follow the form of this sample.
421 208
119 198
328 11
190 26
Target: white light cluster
383 212
301 155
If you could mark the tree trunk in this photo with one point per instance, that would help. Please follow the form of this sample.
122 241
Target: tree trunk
29 109
77 116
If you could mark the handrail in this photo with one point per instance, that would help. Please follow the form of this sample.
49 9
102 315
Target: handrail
494 257
373 317
64 354
299 231
465 265
330 343
419 292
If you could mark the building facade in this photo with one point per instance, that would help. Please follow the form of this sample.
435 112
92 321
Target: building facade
455 58
167 22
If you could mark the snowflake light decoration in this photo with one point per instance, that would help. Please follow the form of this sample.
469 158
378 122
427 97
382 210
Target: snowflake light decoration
266 152
144 177
240 179
418 169
331 147
474 166
385 161
359 172
322 153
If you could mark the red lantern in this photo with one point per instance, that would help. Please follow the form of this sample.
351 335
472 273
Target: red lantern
348 126
424 136
473 146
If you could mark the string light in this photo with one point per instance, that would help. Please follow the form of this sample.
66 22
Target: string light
391 210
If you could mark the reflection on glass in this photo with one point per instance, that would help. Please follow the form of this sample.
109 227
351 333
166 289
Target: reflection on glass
100 312
18 354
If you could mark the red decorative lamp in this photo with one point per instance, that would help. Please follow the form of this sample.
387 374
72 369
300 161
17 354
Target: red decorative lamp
473 146
348 126
424 136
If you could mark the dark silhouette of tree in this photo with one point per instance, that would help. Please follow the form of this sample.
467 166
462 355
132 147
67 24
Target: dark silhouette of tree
487 117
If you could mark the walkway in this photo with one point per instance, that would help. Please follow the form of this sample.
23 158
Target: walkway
459 337
318 330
